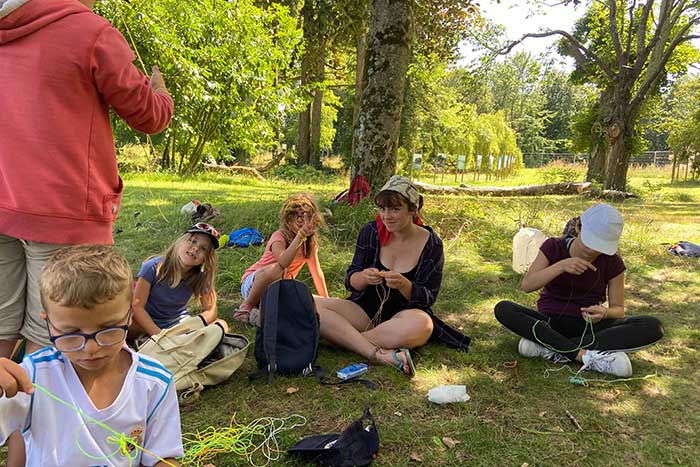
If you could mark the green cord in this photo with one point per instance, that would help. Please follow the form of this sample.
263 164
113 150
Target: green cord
258 437
580 343
248 441
119 439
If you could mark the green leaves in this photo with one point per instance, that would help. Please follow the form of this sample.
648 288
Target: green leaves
227 64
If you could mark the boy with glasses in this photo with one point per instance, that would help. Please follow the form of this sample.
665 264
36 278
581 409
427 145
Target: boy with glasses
86 292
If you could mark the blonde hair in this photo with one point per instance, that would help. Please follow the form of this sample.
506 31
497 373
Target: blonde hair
84 276
300 202
170 269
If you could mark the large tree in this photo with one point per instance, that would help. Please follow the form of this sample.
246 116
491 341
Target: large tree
386 64
439 24
626 47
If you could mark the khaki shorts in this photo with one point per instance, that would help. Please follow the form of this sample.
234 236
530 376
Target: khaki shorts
21 262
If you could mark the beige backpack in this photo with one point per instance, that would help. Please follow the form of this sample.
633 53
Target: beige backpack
197 355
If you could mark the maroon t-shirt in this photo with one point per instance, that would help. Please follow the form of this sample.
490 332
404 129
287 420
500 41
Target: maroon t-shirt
567 293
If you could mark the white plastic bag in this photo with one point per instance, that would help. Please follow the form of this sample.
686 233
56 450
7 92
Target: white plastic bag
445 394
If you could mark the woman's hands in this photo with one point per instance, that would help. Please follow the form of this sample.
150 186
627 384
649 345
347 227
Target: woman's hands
575 265
372 276
395 280
594 313
157 81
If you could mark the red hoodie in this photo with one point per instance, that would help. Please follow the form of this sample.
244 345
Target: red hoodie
61 68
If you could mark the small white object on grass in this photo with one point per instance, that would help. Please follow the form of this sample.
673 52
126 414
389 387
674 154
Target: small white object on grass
445 394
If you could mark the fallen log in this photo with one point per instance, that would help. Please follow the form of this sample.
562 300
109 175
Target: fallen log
612 195
274 162
566 188
239 169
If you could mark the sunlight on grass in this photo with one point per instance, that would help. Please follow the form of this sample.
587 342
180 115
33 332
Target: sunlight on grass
631 423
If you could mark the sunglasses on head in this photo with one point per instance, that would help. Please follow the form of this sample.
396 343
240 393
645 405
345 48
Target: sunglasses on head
206 228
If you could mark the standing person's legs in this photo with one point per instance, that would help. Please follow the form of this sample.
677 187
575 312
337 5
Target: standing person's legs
13 286
34 328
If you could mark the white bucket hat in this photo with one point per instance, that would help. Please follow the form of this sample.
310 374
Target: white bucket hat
404 187
601 227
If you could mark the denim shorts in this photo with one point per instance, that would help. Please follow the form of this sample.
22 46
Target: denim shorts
247 284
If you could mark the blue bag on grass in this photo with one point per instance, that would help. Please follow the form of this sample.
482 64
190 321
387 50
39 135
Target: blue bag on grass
244 237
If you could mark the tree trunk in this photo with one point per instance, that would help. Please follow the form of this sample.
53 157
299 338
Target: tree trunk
619 137
316 107
307 12
599 156
386 64
673 169
359 85
597 163
304 137
619 129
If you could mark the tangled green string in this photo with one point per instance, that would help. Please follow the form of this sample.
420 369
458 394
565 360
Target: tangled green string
120 440
579 380
256 439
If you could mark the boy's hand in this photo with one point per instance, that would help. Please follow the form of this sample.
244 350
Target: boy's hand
157 81
13 378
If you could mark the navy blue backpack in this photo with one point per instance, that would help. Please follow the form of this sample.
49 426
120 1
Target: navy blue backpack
286 342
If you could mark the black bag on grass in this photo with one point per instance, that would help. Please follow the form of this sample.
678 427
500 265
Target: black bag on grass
286 342
357 445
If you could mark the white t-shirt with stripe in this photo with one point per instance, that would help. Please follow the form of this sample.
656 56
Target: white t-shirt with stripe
146 409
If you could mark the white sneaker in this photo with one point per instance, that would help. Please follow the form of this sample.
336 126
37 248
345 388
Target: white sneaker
613 363
529 349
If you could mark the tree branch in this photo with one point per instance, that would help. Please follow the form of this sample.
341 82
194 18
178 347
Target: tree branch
579 48
657 67
614 32
660 38
628 42
642 53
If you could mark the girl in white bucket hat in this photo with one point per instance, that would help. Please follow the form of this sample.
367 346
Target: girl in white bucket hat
581 311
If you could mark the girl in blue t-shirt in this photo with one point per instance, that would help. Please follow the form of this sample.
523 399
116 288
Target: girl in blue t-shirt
580 314
167 282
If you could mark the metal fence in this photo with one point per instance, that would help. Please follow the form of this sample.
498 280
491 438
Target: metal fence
656 158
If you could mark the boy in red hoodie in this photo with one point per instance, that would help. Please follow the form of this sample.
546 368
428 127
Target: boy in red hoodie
61 67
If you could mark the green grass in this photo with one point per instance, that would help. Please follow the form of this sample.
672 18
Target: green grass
650 422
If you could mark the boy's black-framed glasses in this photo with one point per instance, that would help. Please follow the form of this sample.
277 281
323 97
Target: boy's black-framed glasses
76 341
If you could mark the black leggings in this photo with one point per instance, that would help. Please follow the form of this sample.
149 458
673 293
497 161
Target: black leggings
563 332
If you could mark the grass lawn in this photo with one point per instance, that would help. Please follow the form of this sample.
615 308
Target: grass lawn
515 416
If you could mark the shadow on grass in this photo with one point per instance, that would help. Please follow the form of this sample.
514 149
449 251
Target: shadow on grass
514 415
